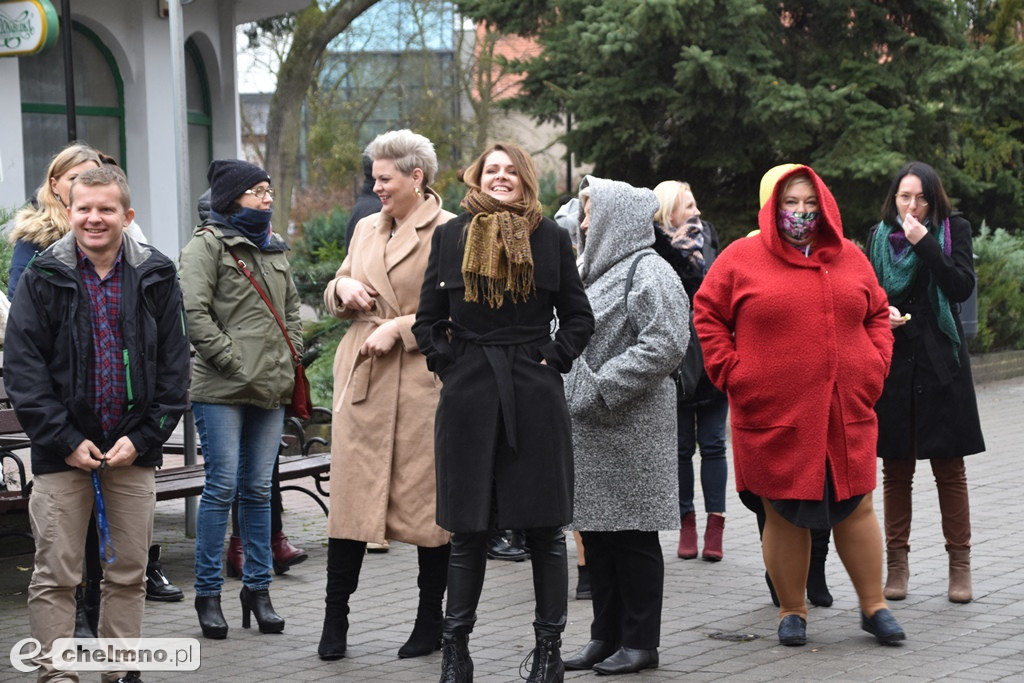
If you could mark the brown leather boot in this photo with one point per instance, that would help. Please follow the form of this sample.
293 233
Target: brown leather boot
898 574
235 559
285 555
960 575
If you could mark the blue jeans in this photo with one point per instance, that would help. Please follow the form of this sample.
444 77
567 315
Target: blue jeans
240 444
703 424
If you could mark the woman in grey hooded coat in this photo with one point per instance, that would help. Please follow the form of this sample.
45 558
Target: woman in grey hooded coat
622 404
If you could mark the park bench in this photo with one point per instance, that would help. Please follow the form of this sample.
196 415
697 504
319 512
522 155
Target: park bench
297 461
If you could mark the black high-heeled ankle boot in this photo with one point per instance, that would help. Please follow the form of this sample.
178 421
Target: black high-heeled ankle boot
211 618
258 603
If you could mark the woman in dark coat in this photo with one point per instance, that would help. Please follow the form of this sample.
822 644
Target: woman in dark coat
496 278
922 254
690 246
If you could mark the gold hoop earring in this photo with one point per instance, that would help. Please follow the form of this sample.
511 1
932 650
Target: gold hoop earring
417 191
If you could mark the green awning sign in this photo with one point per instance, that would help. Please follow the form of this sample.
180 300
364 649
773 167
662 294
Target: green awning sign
26 27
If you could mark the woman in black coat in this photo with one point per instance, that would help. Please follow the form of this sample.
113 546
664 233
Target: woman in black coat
690 246
922 254
496 278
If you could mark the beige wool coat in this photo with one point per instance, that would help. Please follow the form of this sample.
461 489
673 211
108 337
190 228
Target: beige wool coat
382 445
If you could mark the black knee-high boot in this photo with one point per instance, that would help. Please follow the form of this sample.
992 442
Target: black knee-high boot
344 560
432 579
817 588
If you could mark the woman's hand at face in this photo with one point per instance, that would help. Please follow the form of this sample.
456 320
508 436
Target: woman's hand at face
354 294
913 228
381 340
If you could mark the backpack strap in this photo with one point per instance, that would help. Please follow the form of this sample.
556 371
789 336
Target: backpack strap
629 284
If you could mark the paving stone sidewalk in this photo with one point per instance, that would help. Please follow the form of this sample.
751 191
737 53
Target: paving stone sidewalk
718 622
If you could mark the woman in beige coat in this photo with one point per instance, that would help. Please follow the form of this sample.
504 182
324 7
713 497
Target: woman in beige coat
382 457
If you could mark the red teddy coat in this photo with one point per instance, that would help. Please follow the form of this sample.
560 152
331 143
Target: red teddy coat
790 338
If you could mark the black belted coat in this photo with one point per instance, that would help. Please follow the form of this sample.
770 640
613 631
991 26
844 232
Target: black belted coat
928 408
502 439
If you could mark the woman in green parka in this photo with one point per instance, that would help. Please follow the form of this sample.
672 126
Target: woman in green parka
242 380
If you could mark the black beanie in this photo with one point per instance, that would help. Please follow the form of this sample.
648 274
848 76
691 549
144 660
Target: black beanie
229 179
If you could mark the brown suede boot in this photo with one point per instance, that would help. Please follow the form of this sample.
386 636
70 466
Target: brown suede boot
898 574
960 575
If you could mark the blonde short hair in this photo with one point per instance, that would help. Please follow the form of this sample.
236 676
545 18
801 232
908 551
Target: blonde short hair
668 193
407 150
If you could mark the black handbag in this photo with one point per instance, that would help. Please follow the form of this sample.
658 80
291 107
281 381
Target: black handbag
689 372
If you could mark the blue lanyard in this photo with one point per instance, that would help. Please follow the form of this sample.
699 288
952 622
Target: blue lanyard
101 521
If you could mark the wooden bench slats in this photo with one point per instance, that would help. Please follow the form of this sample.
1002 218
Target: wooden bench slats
181 482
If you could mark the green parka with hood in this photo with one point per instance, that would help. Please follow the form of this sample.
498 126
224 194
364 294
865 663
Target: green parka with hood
241 354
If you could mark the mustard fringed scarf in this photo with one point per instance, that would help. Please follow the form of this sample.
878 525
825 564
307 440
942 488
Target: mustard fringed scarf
497 258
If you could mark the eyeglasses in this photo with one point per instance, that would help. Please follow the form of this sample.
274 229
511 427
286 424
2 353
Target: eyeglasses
260 191
904 199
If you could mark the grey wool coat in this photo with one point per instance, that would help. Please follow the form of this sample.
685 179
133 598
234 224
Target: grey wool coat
622 400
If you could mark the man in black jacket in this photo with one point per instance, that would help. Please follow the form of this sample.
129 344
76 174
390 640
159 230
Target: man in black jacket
96 365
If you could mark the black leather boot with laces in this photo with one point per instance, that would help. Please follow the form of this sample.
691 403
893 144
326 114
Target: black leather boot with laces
547 664
456 664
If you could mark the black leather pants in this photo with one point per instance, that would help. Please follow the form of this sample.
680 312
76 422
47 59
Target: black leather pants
466 567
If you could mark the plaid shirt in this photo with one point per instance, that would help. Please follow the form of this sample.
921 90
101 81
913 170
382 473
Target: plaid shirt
109 372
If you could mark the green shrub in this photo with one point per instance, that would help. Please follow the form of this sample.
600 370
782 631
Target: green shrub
6 216
319 357
1000 269
316 257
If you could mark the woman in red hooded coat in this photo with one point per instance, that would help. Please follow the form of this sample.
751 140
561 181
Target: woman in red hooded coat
795 329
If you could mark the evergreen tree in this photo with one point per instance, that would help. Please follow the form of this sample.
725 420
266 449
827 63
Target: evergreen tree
715 92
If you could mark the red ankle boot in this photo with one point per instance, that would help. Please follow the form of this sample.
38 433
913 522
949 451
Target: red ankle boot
713 538
688 537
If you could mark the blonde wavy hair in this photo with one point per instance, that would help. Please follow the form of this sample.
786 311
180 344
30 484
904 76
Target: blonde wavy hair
49 222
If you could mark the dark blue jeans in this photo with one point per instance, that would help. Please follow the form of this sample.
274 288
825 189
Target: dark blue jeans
703 424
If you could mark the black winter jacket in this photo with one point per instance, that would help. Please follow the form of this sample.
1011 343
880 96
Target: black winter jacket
691 276
48 354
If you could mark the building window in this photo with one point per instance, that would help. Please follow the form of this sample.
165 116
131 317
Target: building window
200 123
99 103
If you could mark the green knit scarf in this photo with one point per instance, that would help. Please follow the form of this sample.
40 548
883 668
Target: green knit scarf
897 268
